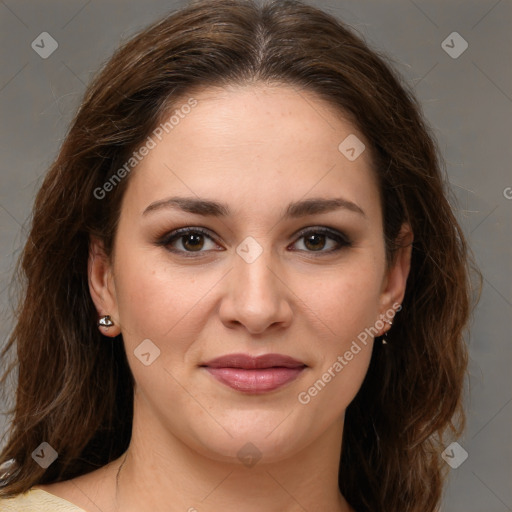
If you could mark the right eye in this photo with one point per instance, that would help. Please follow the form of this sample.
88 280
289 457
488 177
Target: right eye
186 240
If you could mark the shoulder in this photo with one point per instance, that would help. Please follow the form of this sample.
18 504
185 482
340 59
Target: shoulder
37 500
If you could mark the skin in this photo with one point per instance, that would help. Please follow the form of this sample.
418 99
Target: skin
255 148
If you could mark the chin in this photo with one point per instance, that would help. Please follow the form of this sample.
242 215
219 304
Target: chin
251 442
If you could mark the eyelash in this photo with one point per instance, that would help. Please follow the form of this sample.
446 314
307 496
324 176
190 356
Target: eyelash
342 240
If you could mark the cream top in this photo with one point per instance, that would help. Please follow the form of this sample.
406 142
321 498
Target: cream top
37 500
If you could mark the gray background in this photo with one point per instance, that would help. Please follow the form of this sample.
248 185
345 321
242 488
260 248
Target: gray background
467 100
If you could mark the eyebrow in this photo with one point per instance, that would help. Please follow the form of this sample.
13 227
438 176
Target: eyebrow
294 210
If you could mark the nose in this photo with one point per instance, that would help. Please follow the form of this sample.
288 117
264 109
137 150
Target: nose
256 295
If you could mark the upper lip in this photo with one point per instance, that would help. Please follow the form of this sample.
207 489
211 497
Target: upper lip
248 362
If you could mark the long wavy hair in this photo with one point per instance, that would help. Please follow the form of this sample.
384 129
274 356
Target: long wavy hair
74 386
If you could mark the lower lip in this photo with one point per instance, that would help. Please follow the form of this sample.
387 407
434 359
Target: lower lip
257 380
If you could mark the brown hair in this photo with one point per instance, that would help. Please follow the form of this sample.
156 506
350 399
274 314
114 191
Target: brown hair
75 388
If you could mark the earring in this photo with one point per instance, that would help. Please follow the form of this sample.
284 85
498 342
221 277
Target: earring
383 339
105 321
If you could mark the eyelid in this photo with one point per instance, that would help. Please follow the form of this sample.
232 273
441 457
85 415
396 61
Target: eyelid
334 234
175 234
325 230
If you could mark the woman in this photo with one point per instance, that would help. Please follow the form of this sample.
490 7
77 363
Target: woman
247 201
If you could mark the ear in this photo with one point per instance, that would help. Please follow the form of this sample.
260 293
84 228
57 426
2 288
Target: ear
395 280
101 286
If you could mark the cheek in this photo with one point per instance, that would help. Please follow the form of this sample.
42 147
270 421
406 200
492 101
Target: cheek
344 301
155 299
345 309
349 308
331 389
158 299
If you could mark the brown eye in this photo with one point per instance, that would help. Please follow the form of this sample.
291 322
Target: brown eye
187 240
315 240
193 242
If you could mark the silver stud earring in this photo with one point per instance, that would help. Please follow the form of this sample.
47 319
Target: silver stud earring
105 321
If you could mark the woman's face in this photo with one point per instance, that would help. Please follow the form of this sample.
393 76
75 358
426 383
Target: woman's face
290 260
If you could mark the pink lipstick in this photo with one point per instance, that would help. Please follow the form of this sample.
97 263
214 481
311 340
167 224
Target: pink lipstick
254 374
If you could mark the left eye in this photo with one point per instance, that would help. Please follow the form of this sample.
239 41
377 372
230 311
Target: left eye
316 240
192 240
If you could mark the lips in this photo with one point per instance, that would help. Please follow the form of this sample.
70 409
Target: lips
248 362
254 374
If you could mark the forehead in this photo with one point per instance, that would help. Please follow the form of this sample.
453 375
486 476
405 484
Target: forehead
257 144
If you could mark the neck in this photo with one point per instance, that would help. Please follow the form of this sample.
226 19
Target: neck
160 472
